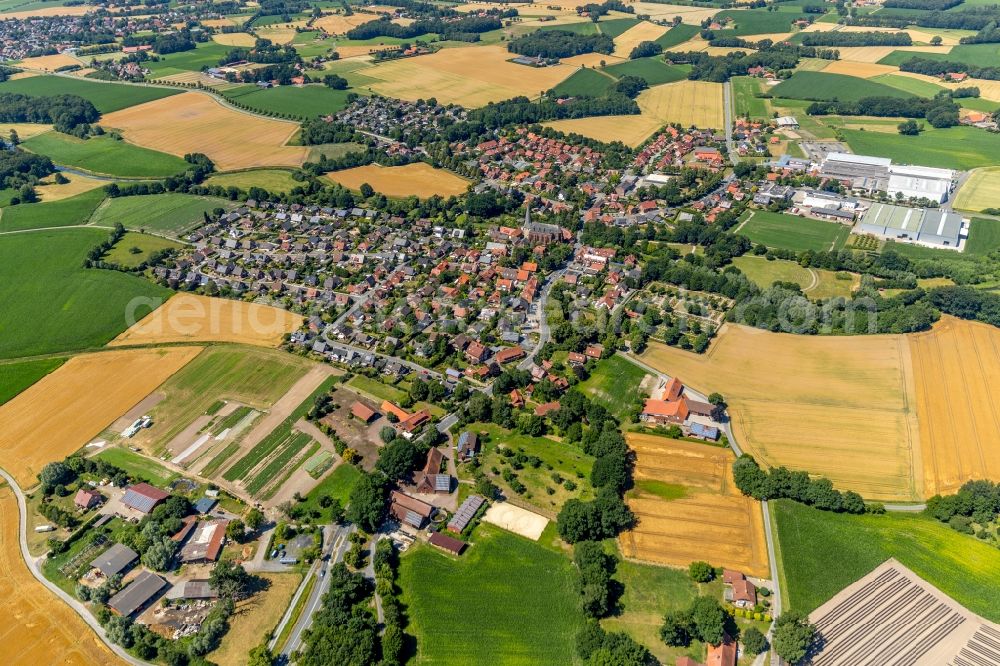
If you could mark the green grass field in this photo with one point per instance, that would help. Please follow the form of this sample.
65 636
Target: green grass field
207 54
585 82
50 303
616 26
337 484
747 104
984 236
614 384
106 97
122 253
653 70
970 54
794 233
759 21
43 215
137 465
505 601
822 552
170 213
290 101
375 389
913 86
272 180
823 86
765 273
15 377
677 35
951 148
104 155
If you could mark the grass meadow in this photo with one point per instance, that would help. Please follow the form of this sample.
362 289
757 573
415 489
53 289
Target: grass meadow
15 377
824 86
507 600
290 101
615 385
747 104
951 148
272 180
794 233
822 552
137 465
759 21
170 213
123 252
206 54
653 70
63 213
766 272
105 155
51 303
616 26
585 82
106 97
677 35
337 484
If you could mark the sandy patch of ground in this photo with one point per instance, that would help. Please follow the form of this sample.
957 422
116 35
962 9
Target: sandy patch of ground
197 122
71 406
418 179
517 520
194 318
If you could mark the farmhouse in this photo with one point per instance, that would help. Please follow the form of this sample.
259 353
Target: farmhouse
206 543
723 654
409 510
430 480
927 226
468 446
87 498
143 497
137 594
662 411
114 560
447 543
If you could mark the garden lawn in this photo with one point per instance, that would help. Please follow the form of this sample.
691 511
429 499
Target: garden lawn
15 377
123 252
507 600
337 484
585 82
375 388
794 233
959 148
815 283
51 303
170 213
290 101
653 70
615 384
106 97
104 155
821 552
63 213
137 465
824 86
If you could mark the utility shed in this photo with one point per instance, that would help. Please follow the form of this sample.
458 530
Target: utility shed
115 560
137 594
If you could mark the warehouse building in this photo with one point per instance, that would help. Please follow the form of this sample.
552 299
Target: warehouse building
137 595
936 228
916 182
863 172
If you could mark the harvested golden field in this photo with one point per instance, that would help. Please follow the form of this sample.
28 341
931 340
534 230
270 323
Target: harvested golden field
865 70
223 22
75 10
24 130
39 628
592 60
338 24
982 190
630 130
361 50
234 39
50 63
841 407
197 122
957 371
51 191
989 90
193 318
470 75
631 38
712 520
875 53
688 14
418 179
62 412
255 618
280 34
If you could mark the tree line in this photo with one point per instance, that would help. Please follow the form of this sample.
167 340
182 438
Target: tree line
65 112
781 483
939 112
842 38
941 67
554 44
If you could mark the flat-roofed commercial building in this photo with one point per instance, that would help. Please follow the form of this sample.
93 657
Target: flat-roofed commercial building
920 225
916 182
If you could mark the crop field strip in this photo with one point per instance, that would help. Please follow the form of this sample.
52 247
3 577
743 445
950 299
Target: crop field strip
417 179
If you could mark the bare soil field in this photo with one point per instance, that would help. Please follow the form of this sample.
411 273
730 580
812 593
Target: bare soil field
40 629
66 409
713 522
957 371
471 76
841 407
417 179
865 70
194 318
631 38
255 618
197 122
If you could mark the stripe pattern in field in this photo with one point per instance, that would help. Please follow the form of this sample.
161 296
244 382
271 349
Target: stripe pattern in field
714 521
840 407
957 370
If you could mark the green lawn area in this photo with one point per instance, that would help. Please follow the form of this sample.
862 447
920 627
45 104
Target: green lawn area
273 180
585 82
137 465
759 21
765 273
333 150
337 484
744 90
51 303
951 148
505 601
615 385
824 86
653 70
170 213
42 215
207 54
821 552
984 236
122 253
15 377
913 86
106 97
104 155
970 54
290 101
375 388
677 35
794 233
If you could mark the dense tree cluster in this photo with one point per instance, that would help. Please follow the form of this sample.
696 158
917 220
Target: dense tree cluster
66 112
940 111
18 168
446 28
521 110
645 49
264 51
843 38
367 507
343 630
793 636
553 44
704 620
941 67
780 483
595 568
967 303
928 5
972 18
976 504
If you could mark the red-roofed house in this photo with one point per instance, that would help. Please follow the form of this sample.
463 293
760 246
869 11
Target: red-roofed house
363 412
661 411
672 390
723 654
86 498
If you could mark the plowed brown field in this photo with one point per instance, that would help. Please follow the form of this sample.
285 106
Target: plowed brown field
713 522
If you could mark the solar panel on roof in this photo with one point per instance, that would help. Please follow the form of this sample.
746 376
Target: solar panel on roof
442 482
138 501
414 518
